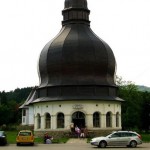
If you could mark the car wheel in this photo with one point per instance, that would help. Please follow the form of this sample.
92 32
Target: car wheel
18 144
133 144
102 144
32 144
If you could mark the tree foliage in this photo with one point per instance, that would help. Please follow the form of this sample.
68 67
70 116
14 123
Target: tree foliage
9 105
135 108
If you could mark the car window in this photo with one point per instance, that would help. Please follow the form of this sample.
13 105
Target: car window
115 135
127 134
124 134
133 134
25 134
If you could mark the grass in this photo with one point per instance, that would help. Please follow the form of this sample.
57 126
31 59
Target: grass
11 137
145 137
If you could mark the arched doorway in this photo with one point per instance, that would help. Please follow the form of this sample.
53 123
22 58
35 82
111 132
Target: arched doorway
78 118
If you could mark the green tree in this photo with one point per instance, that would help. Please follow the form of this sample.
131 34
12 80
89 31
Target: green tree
9 105
131 108
146 111
4 114
3 98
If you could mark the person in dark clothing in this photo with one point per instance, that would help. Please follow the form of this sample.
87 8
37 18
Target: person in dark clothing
47 138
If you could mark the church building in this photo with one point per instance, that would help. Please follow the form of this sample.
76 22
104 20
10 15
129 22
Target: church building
77 79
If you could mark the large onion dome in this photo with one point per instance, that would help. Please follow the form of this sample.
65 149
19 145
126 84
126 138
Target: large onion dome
77 64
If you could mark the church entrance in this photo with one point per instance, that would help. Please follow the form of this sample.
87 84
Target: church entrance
78 118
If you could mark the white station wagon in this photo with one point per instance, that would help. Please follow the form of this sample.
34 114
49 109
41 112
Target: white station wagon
118 138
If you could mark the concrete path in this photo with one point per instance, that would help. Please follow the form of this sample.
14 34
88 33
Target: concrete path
71 146
77 140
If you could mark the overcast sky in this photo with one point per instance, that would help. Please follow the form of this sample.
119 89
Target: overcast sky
27 25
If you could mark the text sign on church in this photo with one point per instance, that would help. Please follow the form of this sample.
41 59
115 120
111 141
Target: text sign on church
77 106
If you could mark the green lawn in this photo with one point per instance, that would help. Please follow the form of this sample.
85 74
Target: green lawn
145 137
11 137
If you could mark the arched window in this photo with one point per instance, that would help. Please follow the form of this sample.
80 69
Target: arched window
60 120
38 121
96 119
117 119
47 121
109 119
78 115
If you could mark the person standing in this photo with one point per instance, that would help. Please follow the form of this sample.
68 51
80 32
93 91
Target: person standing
72 127
82 135
77 130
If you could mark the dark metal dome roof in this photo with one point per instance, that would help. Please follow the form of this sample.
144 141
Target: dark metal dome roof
76 4
76 57
75 11
77 64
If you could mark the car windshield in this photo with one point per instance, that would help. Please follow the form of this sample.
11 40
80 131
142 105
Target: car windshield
24 133
109 135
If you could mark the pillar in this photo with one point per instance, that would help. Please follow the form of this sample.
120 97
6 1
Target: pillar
35 122
89 121
53 122
113 120
42 122
103 120
67 121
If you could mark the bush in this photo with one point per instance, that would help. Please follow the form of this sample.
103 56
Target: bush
5 127
21 127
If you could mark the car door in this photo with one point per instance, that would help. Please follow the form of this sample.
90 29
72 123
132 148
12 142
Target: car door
124 138
113 140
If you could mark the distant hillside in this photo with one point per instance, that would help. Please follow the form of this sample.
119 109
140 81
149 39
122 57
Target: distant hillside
143 88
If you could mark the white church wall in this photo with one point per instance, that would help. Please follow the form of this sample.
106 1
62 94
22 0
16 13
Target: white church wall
31 115
69 107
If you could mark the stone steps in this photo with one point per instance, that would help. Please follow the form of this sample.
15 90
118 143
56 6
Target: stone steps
77 140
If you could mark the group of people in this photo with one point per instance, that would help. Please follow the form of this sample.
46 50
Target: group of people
81 132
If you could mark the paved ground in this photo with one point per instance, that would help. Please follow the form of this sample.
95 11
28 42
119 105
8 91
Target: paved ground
71 145
75 140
